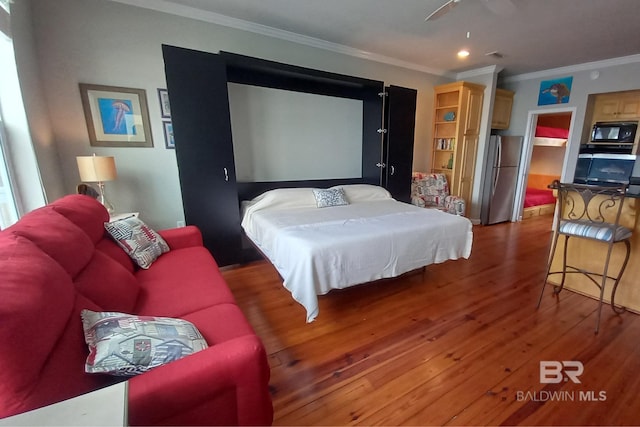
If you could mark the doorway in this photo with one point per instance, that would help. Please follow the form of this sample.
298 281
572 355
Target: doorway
544 158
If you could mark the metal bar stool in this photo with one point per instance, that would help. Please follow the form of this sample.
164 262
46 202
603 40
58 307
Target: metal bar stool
589 212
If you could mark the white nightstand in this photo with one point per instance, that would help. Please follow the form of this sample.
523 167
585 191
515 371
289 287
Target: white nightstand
104 407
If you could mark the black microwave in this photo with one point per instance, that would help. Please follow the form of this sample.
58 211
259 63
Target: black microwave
614 132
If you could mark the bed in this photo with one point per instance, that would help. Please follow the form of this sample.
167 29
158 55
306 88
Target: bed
370 236
538 199
550 137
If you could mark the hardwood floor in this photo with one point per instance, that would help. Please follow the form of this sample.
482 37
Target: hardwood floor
457 344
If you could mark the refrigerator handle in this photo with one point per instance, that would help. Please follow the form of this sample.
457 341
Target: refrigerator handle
498 165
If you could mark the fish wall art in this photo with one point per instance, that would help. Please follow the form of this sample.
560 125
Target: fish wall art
556 91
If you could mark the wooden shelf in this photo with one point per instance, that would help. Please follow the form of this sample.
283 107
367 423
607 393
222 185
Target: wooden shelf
464 100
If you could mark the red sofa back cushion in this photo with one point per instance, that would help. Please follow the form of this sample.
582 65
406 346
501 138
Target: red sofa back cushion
107 283
85 212
38 300
68 230
58 237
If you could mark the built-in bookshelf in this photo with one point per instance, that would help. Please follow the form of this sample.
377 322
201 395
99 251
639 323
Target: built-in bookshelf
444 132
457 110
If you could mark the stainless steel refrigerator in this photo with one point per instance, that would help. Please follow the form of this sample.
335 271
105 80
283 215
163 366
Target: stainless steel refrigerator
501 178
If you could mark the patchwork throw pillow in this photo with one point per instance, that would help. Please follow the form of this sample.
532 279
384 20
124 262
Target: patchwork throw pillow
329 197
126 345
139 241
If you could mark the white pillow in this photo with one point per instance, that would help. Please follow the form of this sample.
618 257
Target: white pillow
284 198
364 192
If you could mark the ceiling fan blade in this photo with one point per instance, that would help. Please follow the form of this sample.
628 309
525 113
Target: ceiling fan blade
442 10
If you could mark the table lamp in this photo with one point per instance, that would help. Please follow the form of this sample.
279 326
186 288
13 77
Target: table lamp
98 169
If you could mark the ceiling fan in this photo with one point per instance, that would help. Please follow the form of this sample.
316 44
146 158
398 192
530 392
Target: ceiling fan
499 7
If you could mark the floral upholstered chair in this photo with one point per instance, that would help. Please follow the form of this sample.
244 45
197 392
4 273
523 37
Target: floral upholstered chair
431 190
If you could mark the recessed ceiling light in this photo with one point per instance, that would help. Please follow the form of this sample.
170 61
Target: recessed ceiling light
463 53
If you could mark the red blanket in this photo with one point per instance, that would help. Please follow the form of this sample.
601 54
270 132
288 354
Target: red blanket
548 132
537 197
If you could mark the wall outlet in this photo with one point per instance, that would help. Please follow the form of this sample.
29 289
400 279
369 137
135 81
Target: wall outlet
180 223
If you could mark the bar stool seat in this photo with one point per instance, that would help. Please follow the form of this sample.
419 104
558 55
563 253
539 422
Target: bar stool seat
596 231
590 212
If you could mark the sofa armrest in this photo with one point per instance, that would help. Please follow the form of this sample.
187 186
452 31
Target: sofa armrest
418 201
225 384
182 237
455 205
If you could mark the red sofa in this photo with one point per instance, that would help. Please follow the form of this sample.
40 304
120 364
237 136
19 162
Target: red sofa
57 261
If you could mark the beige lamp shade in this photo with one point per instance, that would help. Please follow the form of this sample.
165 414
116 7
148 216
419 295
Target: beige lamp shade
97 168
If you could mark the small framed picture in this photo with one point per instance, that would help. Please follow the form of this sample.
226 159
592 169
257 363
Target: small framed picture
556 91
169 142
116 116
165 108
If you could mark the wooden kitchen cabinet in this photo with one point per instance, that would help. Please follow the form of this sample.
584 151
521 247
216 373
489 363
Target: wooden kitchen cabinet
456 129
502 105
618 106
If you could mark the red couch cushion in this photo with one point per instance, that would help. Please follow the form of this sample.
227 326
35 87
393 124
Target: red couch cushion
109 247
181 281
32 316
220 323
63 377
84 212
107 283
58 237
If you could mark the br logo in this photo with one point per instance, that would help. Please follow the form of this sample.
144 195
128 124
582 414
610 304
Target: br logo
553 371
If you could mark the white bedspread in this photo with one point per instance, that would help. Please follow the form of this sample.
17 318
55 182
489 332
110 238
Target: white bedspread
319 249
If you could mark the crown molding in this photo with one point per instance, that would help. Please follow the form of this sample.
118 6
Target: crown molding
613 62
491 69
240 24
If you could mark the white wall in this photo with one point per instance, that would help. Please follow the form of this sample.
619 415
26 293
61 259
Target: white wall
546 160
102 42
281 135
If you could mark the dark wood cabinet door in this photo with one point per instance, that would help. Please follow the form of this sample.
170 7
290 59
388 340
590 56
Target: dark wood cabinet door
400 118
373 153
197 86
